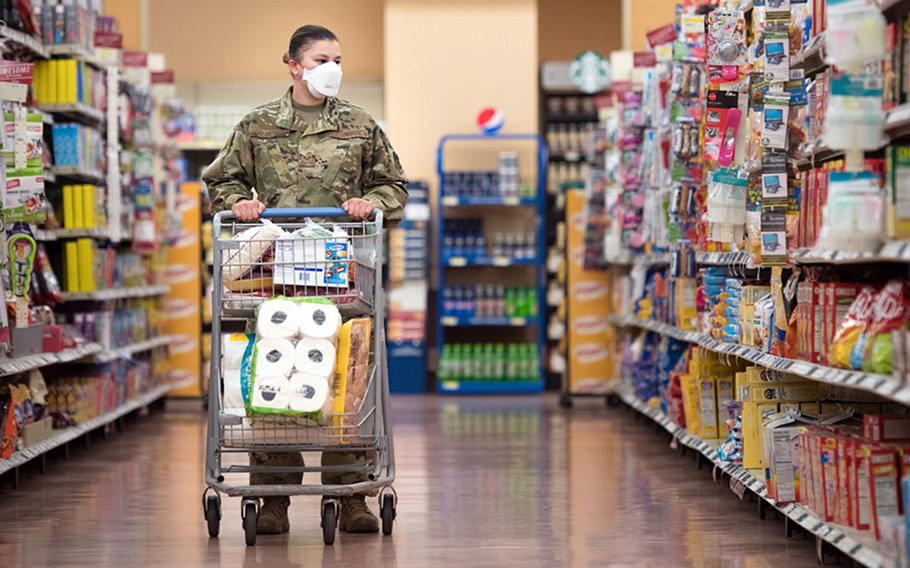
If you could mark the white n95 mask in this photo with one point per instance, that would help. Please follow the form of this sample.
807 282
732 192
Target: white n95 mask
323 80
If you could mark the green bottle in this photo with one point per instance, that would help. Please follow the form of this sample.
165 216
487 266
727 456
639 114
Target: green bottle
499 371
510 303
534 363
477 361
489 364
532 303
442 372
511 362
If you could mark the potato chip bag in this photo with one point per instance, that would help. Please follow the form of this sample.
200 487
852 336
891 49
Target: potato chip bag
848 333
890 313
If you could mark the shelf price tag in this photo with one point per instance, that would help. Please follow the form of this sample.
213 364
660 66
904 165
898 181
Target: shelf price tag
450 385
501 261
458 261
519 321
511 200
449 321
450 200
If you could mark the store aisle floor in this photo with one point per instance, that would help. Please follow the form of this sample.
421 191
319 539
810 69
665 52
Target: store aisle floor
482 483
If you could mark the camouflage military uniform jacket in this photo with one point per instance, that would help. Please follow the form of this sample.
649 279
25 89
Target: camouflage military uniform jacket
342 154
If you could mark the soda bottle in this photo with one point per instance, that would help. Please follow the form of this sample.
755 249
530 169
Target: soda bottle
533 363
500 310
511 363
443 370
509 303
533 307
470 305
477 360
489 366
499 370
448 308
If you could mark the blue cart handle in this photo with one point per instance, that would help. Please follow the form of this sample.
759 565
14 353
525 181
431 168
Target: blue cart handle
303 212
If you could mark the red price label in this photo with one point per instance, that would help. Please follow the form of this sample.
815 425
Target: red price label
135 59
662 35
165 77
16 72
109 40
644 59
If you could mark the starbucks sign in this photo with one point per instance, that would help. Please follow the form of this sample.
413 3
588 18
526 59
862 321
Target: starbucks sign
590 72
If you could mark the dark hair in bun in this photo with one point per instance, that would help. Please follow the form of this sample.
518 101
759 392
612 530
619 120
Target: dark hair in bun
304 37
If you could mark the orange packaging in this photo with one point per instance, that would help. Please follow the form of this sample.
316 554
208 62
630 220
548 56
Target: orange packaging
844 460
883 485
828 457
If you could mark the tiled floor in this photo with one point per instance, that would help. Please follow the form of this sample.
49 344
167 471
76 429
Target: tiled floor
482 482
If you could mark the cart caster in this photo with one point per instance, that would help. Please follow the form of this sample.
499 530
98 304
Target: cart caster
329 521
250 514
387 513
211 510
565 401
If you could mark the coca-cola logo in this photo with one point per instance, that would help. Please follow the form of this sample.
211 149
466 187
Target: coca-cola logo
588 325
590 290
591 352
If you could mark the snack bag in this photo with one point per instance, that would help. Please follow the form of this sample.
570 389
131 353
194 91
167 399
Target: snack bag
855 321
890 313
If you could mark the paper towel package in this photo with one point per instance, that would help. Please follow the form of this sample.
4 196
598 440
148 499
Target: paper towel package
307 393
233 393
253 244
358 364
274 358
279 319
315 357
312 257
319 321
233 346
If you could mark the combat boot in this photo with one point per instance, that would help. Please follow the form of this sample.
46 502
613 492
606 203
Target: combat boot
273 516
356 517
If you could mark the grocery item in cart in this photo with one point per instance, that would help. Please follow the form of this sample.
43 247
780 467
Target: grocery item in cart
352 366
313 256
241 264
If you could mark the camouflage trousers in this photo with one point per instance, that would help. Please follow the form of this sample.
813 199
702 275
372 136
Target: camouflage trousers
328 477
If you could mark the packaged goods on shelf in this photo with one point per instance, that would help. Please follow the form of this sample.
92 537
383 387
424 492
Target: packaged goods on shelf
125 325
489 362
468 238
489 301
78 146
68 23
83 207
68 81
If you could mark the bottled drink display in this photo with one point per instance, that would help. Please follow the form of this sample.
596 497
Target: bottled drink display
502 183
489 301
466 237
516 362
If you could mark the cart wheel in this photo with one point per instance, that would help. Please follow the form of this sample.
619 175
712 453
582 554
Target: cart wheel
250 522
388 514
329 522
565 401
213 515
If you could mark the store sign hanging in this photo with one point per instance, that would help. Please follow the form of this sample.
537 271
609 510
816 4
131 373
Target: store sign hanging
662 35
165 77
16 72
644 59
590 72
135 59
109 40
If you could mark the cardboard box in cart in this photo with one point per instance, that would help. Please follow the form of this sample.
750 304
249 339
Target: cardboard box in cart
313 256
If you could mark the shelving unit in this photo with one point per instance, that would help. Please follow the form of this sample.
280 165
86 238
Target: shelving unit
16 365
117 293
858 547
130 350
78 112
498 206
78 173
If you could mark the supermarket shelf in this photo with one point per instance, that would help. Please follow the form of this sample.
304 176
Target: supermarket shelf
570 157
725 259
49 176
74 111
58 234
817 152
646 260
463 261
451 321
78 173
488 387
116 293
578 117
17 365
464 201
892 251
129 350
897 124
67 435
25 41
882 385
857 547
895 5
78 52
812 59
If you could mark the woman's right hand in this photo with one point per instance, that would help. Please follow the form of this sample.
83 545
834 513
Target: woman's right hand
248 209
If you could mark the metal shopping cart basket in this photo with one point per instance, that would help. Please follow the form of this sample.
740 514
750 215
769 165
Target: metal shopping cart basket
353 281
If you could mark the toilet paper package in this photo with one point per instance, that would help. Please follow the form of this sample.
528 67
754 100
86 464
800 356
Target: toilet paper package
273 358
234 400
270 395
315 357
279 318
319 319
307 393
233 348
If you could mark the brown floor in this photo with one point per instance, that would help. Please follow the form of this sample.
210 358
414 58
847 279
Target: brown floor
482 483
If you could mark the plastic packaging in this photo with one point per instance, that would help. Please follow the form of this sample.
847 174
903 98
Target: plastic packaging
852 217
854 118
856 34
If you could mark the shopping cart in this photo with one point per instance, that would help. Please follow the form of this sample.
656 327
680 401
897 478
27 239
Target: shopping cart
353 281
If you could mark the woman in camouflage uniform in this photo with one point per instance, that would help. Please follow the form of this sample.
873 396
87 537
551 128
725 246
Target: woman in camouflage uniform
309 149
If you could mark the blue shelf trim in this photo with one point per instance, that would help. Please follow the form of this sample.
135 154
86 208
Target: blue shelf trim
539 202
464 261
488 387
468 201
455 321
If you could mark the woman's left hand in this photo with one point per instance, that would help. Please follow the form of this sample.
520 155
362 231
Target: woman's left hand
358 209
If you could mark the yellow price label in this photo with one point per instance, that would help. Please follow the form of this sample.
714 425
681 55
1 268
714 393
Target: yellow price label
448 320
458 261
450 385
501 261
511 200
519 321
450 200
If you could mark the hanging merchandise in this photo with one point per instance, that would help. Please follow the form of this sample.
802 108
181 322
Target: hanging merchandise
854 117
854 213
856 34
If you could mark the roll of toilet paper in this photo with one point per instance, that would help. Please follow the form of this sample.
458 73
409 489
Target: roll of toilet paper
233 393
270 393
307 393
319 321
316 357
278 319
274 358
232 350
